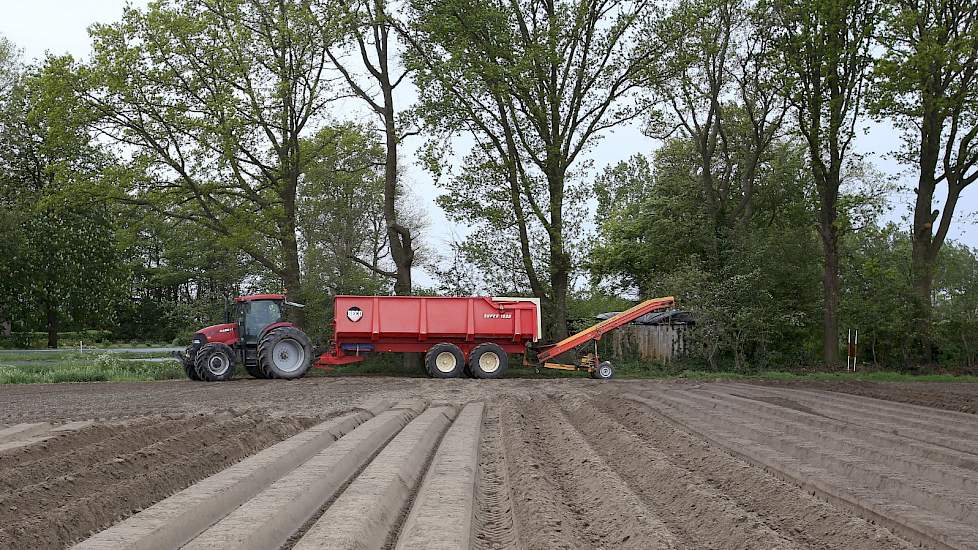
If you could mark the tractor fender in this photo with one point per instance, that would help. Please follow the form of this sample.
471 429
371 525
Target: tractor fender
274 326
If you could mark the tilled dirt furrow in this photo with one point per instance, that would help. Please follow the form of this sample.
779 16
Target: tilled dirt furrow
845 484
952 502
157 474
70 442
442 512
894 452
82 482
174 521
943 428
494 523
878 439
545 519
810 521
364 515
81 458
686 503
274 515
835 400
604 510
19 432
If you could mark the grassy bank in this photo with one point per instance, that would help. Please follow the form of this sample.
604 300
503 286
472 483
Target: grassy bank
87 368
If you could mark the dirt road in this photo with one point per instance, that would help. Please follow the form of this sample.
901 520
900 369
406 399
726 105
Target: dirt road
423 464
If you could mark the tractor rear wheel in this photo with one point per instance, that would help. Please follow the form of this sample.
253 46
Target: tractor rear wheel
488 361
444 361
284 352
214 362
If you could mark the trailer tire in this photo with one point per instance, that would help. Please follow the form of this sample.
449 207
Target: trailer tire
444 361
488 361
604 371
284 352
214 362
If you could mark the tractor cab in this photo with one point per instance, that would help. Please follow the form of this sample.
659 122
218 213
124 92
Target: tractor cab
254 313
256 336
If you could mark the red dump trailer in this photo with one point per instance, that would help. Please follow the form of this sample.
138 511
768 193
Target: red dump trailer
455 334
473 335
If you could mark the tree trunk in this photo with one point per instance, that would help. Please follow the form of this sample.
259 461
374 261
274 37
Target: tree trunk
399 236
924 247
560 261
291 274
922 273
52 325
830 290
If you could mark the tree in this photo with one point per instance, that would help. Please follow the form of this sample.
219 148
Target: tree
216 98
928 86
719 79
342 219
64 264
534 84
654 236
369 32
825 50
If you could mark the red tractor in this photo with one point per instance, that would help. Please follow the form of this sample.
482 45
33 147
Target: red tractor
256 337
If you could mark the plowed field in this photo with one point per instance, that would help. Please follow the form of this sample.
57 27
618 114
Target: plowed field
515 464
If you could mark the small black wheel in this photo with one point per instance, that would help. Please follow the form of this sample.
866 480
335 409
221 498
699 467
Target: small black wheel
604 371
488 361
284 352
214 362
444 361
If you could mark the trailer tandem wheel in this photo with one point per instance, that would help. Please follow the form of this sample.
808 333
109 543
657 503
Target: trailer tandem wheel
488 361
444 360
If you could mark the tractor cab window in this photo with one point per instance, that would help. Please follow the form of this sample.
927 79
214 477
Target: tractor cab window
259 314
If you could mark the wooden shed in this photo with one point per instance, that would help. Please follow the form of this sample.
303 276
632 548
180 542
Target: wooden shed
658 336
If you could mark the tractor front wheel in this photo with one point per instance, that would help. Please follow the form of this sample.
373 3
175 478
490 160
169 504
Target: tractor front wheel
284 352
189 368
214 363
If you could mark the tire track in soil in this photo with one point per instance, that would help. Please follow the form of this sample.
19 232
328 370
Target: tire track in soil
785 508
684 501
54 514
567 497
495 526
83 454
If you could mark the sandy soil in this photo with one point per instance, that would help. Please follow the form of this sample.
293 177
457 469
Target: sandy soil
551 464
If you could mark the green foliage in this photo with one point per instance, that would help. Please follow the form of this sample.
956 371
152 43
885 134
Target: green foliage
62 265
105 368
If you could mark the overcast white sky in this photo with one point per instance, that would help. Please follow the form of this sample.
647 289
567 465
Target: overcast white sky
60 26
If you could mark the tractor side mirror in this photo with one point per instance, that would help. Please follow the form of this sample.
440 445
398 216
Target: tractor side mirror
227 311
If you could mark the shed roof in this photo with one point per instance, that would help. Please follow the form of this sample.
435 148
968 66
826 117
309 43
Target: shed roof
671 316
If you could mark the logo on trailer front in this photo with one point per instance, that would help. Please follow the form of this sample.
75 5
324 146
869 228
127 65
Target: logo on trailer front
354 314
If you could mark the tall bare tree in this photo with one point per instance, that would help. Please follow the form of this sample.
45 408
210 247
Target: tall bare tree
928 85
370 41
825 48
